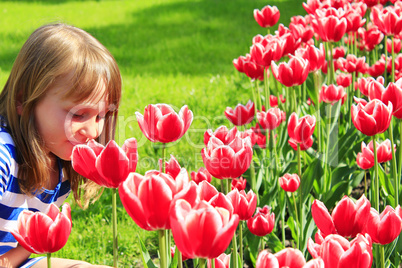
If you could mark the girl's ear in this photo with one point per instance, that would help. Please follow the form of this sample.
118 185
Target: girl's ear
19 103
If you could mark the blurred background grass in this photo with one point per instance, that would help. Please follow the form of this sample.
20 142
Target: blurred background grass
169 51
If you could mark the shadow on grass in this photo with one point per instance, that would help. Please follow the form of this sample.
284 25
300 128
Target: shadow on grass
194 37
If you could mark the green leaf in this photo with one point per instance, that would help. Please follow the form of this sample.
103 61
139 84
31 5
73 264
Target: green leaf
146 259
385 182
175 259
336 193
313 172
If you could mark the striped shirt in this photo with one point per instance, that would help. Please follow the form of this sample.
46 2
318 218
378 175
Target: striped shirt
12 201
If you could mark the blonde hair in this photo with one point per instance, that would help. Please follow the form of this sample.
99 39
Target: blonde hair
51 52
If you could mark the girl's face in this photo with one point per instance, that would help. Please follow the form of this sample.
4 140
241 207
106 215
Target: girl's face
63 123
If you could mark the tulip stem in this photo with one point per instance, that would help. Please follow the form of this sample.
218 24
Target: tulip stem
317 92
266 87
393 164
201 263
49 261
241 243
386 56
330 65
393 61
382 253
212 263
398 178
258 94
301 227
376 186
365 183
234 254
114 220
297 220
163 157
254 97
162 248
327 177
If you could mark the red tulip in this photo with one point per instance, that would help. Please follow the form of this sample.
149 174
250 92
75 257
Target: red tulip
195 193
107 165
337 251
348 218
329 28
393 94
371 37
365 159
222 133
292 73
267 17
222 261
160 123
372 118
303 145
266 50
202 231
172 167
387 20
385 227
289 182
254 70
291 43
301 129
239 184
315 56
354 20
288 257
260 136
244 204
304 32
363 84
270 119
351 64
344 80
41 233
338 52
397 45
273 100
332 94
147 198
241 115
227 161
262 223
239 62
201 175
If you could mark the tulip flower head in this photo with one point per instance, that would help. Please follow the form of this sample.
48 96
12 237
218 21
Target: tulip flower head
337 251
332 94
227 161
288 257
41 233
241 115
301 129
314 55
108 165
385 227
147 198
239 184
222 133
365 158
347 219
262 223
202 231
201 175
387 20
289 182
267 17
271 119
344 80
160 123
244 204
330 28
292 73
222 261
372 118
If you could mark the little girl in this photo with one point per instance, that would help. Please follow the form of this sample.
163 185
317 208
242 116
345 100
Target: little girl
64 89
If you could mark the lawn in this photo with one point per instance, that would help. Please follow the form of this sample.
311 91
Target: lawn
171 51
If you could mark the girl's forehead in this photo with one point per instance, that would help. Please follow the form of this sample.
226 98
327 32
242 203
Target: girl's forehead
88 91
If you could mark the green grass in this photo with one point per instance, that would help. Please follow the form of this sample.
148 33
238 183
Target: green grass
169 51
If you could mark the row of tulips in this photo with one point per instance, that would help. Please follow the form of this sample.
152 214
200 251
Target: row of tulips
290 158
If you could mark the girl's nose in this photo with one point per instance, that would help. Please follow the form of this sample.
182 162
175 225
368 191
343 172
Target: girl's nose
90 129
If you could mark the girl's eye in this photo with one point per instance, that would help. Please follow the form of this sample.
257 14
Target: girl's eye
77 116
100 117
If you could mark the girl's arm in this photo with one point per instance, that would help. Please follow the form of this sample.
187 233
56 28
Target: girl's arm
14 257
